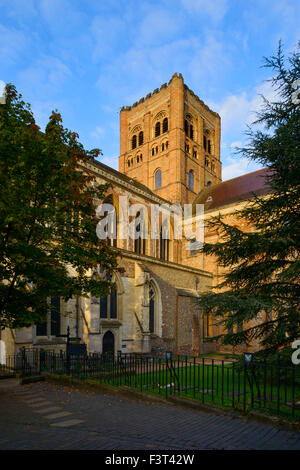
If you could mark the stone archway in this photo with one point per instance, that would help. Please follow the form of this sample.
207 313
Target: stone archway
108 343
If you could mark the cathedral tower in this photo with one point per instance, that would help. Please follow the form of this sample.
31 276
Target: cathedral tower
170 141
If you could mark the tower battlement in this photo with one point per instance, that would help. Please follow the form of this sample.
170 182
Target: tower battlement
170 141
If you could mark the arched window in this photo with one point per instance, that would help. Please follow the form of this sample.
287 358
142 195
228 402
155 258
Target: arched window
206 327
128 163
50 325
165 125
153 151
162 147
154 309
191 132
191 180
140 241
157 129
151 309
141 138
164 243
133 142
108 304
158 179
111 225
186 127
204 142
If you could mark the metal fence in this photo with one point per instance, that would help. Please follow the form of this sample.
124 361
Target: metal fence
269 386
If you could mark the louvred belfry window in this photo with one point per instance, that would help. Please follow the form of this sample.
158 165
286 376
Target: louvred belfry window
141 138
165 125
133 142
157 129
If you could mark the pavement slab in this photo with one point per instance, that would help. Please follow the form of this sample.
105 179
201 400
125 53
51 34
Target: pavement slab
110 422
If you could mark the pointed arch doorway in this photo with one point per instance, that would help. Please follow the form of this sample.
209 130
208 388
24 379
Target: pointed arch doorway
108 343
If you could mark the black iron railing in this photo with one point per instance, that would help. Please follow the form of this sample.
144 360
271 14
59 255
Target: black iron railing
269 386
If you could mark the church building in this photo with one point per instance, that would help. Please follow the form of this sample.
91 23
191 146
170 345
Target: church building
169 155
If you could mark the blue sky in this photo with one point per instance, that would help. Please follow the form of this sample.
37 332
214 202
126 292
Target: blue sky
88 58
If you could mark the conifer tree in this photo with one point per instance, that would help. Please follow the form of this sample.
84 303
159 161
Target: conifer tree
260 288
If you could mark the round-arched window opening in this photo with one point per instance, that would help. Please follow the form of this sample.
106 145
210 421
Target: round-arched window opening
133 142
158 179
191 180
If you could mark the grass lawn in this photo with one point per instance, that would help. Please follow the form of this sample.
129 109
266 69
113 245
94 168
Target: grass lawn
267 389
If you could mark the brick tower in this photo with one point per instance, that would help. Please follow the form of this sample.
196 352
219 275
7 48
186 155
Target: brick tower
170 141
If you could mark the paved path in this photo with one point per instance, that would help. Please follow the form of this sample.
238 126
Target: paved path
49 416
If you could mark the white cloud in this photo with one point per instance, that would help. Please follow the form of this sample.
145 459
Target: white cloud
237 168
105 35
47 73
157 27
112 161
12 44
239 110
215 9
98 132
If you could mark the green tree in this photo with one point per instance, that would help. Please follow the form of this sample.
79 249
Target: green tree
48 242
262 266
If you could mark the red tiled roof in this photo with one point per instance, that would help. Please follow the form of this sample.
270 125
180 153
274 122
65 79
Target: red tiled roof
234 190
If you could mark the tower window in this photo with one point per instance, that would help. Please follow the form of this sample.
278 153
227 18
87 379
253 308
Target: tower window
191 132
165 125
187 148
195 153
153 151
186 127
133 142
158 179
191 180
162 147
128 163
138 159
208 146
204 142
167 144
156 149
141 138
157 129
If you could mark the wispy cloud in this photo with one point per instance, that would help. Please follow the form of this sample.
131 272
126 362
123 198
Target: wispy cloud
47 72
215 11
12 43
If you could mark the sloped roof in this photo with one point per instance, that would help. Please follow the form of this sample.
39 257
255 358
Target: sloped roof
234 190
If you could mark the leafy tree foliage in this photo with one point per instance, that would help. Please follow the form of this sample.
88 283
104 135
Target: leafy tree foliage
48 242
260 287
